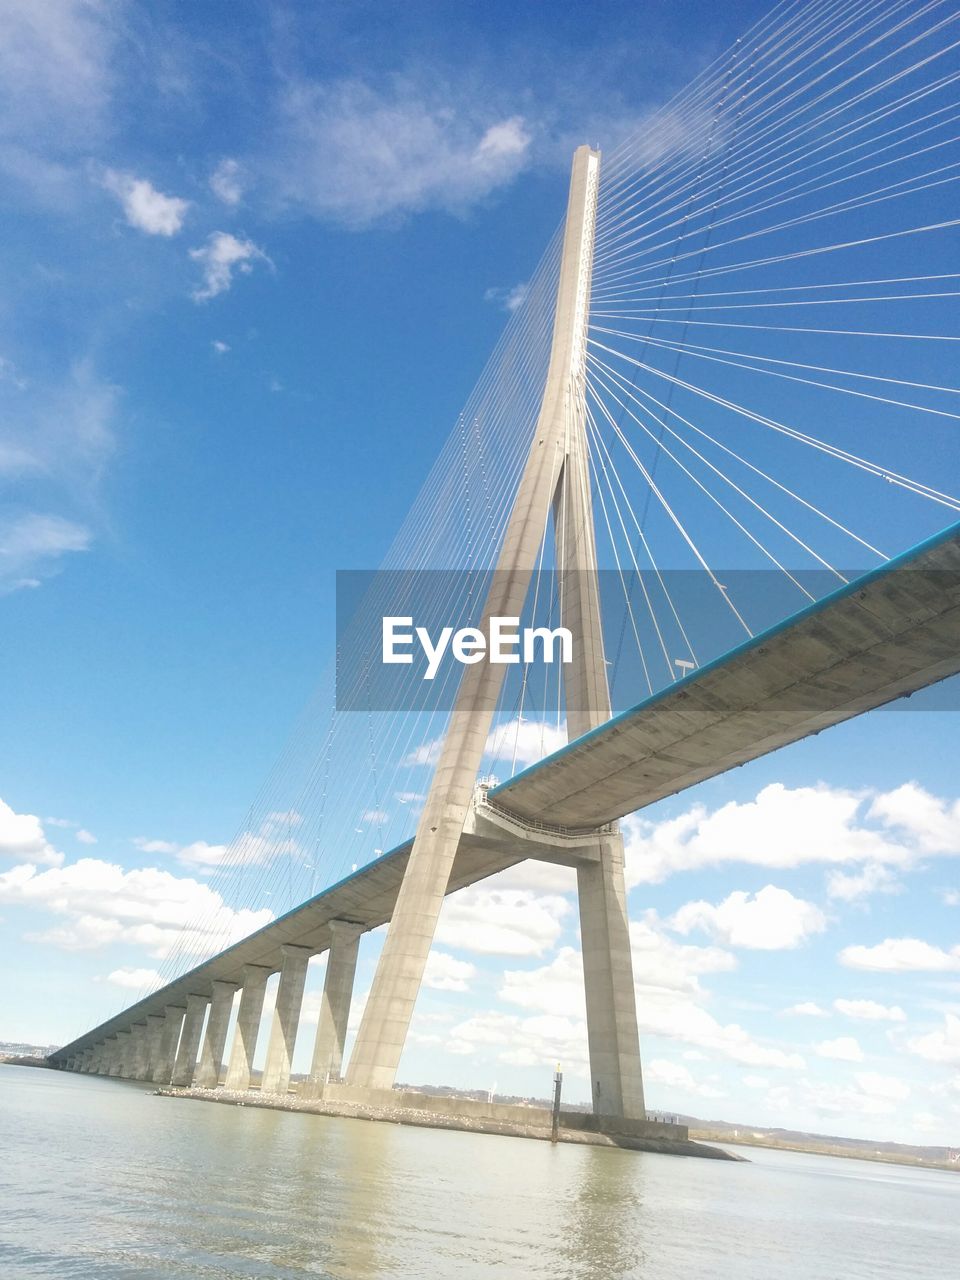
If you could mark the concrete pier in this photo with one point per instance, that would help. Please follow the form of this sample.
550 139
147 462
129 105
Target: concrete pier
141 1051
286 1019
207 1075
186 1059
123 1054
155 1025
334 1006
169 1039
254 984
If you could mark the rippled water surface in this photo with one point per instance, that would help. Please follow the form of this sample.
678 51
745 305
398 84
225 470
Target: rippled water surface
99 1178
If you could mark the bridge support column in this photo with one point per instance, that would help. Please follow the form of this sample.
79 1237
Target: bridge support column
254 982
124 1054
286 1019
186 1059
612 1036
211 1053
334 1006
169 1040
113 1056
140 1063
155 1024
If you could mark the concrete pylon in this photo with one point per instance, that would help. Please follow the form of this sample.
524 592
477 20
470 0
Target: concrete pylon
186 1059
254 984
334 1006
207 1075
124 1054
286 1019
141 1051
611 1003
169 1040
155 1026
389 1008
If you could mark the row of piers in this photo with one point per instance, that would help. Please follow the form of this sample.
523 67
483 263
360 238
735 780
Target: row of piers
185 1045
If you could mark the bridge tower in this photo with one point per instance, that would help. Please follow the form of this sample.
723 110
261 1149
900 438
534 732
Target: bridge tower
556 475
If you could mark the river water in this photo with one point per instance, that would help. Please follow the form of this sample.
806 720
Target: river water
99 1178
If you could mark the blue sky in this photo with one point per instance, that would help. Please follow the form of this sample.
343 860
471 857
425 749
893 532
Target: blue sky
253 262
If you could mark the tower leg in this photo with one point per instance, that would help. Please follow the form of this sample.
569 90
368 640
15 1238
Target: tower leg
612 1037
396 985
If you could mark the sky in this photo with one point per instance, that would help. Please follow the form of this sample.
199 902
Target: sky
253 261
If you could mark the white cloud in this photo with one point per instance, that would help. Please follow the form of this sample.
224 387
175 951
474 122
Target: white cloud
870 1010
445 973
135 979
57 433
201 854
668 995
756 1082
147 907
510 922
145 207
55 81
155 846
901 955
781 828
251 848
844 1049
807 1009
539 1041
357 155
852 886
508 299
226 181
22 838
221 348
933 824
772 920
941 1045
85 836
879 1086
219 257
31 546
529 740
678 1077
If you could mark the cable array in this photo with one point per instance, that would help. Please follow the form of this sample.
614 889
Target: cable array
771 406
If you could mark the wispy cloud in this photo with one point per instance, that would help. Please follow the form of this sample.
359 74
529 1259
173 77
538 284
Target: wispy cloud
358 155
508 299
227 181
219 258
31 546
145 207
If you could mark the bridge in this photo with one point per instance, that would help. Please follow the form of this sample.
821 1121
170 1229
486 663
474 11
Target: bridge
873 638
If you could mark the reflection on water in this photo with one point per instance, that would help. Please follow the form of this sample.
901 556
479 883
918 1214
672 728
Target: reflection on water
99 1178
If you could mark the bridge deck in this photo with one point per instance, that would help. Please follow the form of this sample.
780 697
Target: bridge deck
885 635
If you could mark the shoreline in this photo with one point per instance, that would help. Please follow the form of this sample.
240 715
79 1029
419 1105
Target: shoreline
427 1119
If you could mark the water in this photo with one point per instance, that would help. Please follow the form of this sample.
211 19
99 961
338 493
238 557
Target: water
100 1179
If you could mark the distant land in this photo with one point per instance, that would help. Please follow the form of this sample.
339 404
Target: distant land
820 1144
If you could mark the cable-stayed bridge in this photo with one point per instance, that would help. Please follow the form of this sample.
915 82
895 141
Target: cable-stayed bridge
733 374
